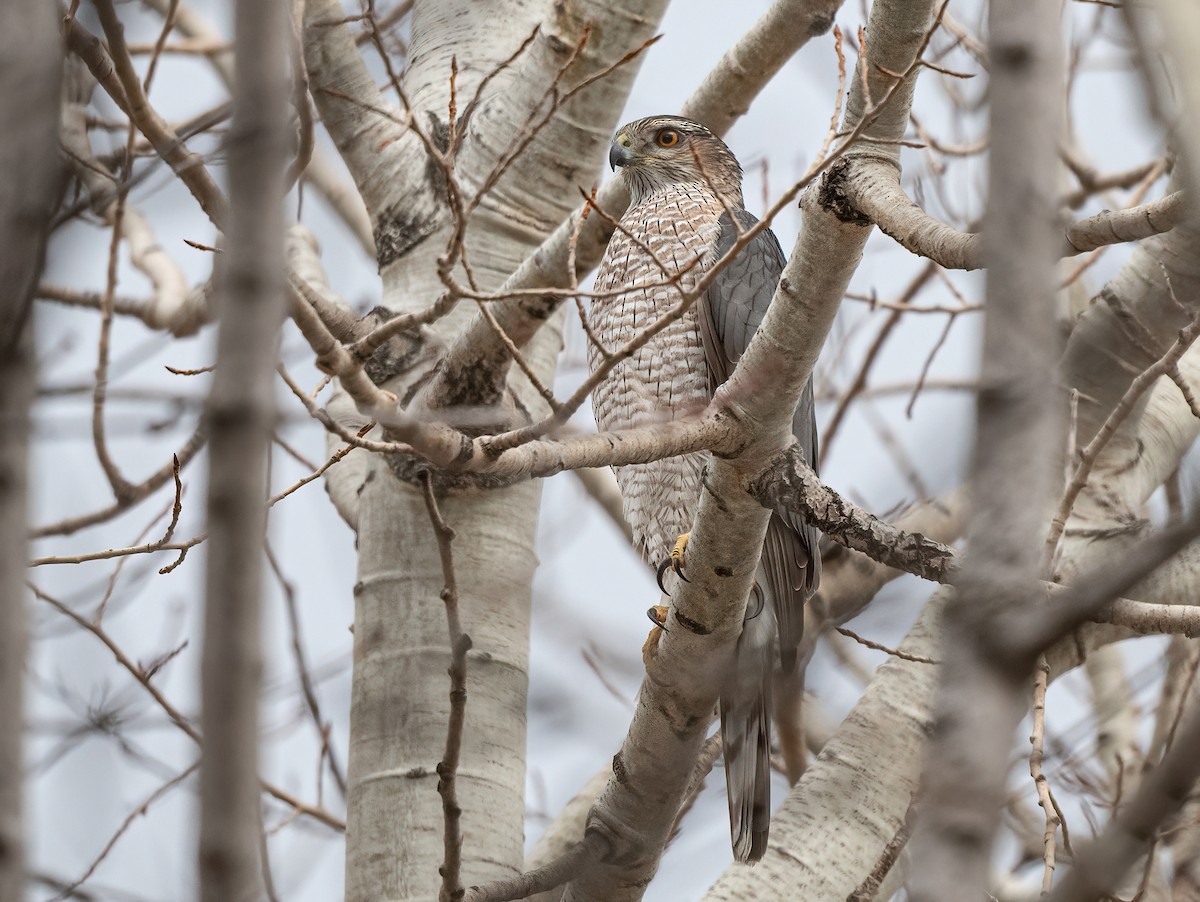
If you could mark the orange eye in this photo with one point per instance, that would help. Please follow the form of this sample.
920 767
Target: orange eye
668 137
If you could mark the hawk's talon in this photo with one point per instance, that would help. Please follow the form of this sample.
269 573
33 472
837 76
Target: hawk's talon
662 569
658 616
675 561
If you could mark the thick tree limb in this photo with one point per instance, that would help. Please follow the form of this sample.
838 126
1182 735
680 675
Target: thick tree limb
876 193
30 79
241 415
386 160
399 705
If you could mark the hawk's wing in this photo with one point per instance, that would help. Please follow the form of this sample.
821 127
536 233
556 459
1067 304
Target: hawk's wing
730 313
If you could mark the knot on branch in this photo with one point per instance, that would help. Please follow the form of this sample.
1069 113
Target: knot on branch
400 353
832 194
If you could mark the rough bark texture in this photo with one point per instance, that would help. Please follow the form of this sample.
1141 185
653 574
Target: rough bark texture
400 699
30 75
241 417
790 482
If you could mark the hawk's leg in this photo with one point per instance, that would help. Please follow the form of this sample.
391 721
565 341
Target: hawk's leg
674 561
658 616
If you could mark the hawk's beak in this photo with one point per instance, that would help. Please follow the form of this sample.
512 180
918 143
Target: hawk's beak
619 155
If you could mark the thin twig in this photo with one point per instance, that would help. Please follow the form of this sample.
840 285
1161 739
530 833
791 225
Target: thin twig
1091 453
1037 770
886 649
460 644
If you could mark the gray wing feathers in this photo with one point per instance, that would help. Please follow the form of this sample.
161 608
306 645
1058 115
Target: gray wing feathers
731 311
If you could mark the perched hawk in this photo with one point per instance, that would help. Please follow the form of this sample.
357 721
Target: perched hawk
686 212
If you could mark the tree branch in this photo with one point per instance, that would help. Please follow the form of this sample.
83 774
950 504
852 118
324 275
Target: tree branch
876 193
241 414
30 81
789 481
984 691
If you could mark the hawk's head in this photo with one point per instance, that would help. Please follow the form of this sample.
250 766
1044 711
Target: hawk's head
662 151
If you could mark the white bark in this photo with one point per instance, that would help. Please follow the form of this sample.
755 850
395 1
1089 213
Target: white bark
400 699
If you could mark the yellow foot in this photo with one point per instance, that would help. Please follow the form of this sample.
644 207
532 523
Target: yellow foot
658 616
674 561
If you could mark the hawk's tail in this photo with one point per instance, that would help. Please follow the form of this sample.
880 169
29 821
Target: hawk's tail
746 737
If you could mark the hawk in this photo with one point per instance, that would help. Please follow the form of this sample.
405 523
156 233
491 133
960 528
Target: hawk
685 213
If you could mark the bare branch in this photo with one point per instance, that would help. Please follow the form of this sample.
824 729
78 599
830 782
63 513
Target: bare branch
188 166
876 193
1128 837
983 689
241 410
789 481
460 644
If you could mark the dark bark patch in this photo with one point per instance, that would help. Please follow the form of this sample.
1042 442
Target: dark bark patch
398 230
820 24
694 625
833 196
618 766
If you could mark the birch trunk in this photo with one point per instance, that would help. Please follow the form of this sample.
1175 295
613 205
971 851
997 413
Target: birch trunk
400 695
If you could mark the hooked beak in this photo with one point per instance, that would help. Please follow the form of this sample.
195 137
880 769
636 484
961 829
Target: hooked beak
619 155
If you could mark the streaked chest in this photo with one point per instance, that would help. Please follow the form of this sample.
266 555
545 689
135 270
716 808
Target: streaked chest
662 249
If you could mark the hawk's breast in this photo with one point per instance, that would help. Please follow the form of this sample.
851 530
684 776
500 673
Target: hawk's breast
660 251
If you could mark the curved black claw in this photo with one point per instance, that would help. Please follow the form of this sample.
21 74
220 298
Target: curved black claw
675 561
669 563
662 569
658 616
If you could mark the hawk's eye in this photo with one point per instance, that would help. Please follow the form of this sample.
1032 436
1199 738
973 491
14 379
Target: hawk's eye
668 137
